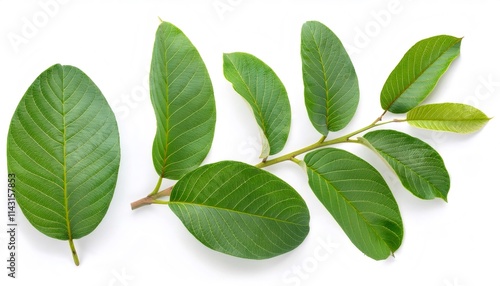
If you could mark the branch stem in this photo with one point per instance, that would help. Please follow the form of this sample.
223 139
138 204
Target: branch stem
153 197
323 143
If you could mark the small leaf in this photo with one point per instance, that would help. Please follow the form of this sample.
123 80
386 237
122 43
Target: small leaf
257 83
451 117
418 73
240 210
358 198
330 83
63 146
183 101
419 167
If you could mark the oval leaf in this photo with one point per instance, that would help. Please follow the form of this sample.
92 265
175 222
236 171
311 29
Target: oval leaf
330 83
358 198
418 72
183 101
257 83
419 167
451 117
63 146
240 210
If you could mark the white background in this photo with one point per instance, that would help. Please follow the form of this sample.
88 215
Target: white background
445 244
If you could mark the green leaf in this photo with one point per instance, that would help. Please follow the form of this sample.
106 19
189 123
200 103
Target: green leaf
418 73
358 198
330 83
63 146
419 167
184 104
257 83
451 117
240 210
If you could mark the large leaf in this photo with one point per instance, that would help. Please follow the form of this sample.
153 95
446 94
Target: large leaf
257 83
419 167
240 210
63 146
358 198
330 83
184 104
418 72
451 117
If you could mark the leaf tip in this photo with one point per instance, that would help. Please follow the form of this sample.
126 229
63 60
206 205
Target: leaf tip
313 22
443 196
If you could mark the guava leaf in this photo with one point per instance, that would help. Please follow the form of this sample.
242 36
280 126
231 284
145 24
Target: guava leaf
240 210
183 101
63 146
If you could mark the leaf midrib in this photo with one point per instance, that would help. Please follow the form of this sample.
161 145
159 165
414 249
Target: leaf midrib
325 79
237 212
65 175
167 119
448 120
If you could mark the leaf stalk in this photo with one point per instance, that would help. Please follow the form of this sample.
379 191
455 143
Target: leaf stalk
157 187
73 252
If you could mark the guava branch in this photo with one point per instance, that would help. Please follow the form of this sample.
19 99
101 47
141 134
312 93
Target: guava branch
150 199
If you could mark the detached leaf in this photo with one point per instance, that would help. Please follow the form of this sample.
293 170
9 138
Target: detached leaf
240 210
418 73
257 83
358 198
419 167
330 83
451 117
183 101
63 146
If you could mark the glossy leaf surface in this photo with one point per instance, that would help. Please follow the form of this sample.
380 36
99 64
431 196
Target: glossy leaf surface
63 146
257 83
330 83
419 167
418 73
358 198
183 101
451 117
240 210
